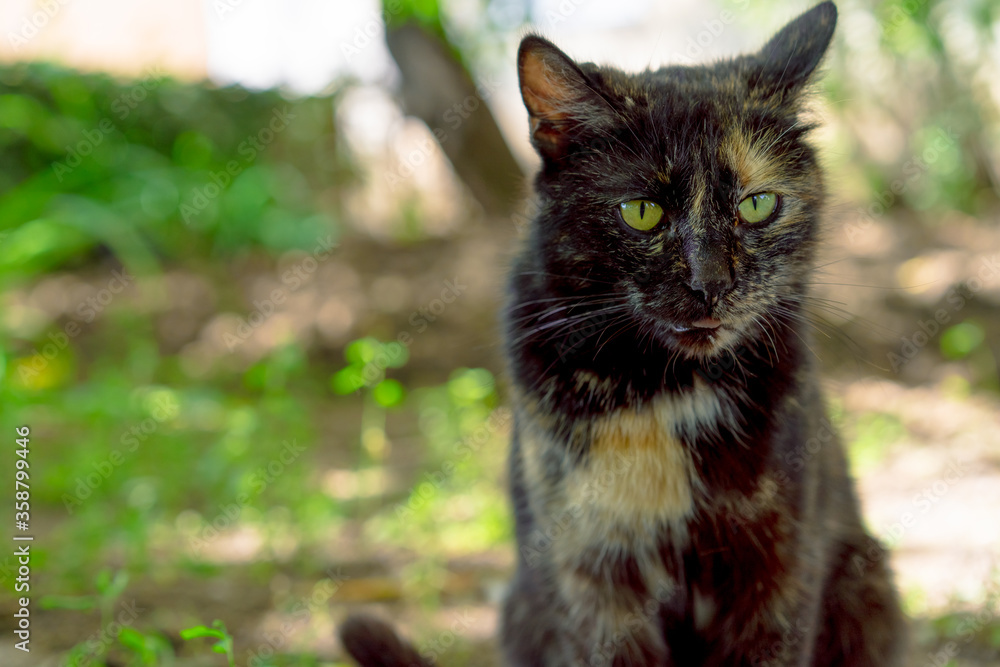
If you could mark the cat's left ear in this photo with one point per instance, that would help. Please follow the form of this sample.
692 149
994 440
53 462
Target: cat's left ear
558 96
787 61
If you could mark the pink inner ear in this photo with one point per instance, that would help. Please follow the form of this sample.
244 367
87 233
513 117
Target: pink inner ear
544 94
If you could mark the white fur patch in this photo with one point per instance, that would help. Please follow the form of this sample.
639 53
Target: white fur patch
637 476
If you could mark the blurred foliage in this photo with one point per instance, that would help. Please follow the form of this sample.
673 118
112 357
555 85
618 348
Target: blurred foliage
134 179
157 170
136 461
146 648
218 631
368 359
457 505
870 436
916 92
961 340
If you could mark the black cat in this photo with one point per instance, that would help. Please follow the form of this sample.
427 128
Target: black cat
668 513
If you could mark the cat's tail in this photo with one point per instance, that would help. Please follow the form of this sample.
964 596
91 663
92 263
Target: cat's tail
373 643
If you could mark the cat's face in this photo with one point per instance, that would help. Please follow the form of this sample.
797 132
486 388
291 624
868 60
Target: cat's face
683 201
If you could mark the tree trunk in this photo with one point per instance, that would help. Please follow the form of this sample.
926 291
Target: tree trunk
438 90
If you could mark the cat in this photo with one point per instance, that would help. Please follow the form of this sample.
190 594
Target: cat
680 497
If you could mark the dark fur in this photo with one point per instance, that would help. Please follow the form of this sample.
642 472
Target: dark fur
680 497
374 644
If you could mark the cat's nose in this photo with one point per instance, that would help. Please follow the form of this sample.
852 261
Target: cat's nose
711 280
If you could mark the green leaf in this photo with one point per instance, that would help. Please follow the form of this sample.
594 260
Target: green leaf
397 353
133 639
362 351
347 380
41 244
217 631
201 631
959 341
469 385
388 393
112 587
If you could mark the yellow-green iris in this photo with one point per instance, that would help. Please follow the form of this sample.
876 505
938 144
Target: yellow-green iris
758 208
641 214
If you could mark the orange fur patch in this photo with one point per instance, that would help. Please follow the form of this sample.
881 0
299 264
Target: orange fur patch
754 166
636 470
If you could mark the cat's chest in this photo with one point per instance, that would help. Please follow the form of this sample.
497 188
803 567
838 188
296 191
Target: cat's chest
637 473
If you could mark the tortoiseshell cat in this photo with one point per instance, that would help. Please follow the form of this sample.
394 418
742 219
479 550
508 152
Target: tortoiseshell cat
669 513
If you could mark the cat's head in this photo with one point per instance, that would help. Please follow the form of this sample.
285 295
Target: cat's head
686 197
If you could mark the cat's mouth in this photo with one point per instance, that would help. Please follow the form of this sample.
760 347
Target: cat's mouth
703 337
694 334
699 336
703 326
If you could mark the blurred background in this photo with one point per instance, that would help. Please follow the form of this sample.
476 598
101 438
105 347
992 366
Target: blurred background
251 255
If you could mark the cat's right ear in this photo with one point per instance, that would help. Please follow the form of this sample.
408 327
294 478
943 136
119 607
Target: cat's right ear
556 93
788 60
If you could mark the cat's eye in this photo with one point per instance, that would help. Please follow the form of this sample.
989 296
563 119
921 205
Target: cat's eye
641 214
758 208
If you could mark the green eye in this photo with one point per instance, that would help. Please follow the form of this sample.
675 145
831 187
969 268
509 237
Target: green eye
641 214
758 208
